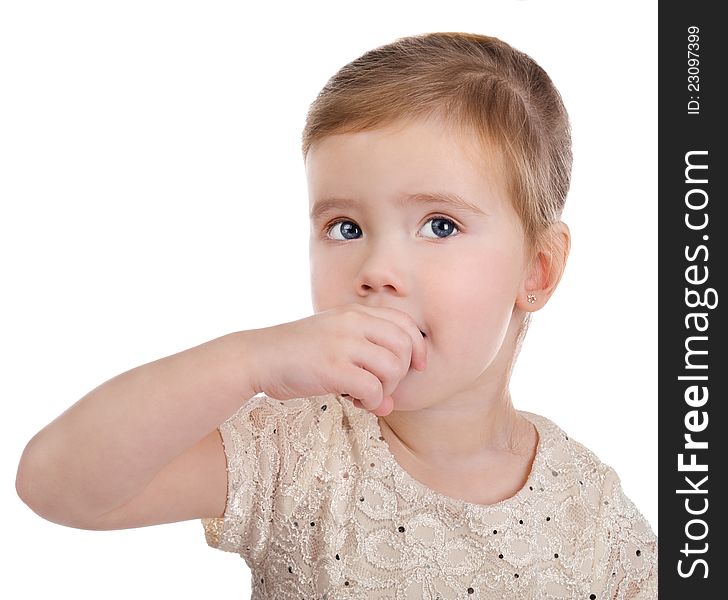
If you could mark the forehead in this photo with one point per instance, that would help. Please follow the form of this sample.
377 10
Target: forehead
407 157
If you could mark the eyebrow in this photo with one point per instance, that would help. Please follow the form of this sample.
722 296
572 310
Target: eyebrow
452 200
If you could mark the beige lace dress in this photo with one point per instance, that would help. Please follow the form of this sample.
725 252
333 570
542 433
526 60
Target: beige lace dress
319 508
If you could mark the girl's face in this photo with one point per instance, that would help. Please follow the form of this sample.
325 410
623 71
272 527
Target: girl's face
386 232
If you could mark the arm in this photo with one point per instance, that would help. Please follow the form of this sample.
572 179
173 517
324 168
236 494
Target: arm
140 439
143 448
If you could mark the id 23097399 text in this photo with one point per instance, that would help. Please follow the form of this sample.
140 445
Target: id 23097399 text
693 70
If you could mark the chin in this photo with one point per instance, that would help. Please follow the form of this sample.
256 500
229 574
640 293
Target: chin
409 396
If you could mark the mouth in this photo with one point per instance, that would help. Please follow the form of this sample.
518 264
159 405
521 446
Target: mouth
424 335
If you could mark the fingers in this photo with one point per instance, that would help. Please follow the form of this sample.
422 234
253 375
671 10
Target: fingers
395 344
378 374
419 346
387 366
417 351
364 388
386 407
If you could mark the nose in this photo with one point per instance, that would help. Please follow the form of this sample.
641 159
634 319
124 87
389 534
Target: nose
382 270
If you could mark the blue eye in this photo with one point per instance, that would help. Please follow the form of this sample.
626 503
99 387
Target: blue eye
345 229
441 227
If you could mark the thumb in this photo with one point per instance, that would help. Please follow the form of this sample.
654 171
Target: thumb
386 407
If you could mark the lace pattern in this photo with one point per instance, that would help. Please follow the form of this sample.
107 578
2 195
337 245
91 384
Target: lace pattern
318 507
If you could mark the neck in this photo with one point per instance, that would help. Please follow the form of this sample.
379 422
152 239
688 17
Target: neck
475 425
470 427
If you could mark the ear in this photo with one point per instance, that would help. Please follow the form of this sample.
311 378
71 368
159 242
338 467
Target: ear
545 269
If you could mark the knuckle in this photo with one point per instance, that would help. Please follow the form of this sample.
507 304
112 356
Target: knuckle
392 366
407 320
373 388
404 343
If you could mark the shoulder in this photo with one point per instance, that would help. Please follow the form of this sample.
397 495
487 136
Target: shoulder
263 407
302 426
329 409
262 412
277 453
575 470
568 456
622 543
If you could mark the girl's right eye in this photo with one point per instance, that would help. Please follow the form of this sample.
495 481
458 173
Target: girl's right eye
343 228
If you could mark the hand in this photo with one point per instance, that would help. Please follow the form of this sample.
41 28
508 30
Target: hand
354 350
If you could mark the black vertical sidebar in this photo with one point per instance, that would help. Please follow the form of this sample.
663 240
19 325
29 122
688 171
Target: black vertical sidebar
693 262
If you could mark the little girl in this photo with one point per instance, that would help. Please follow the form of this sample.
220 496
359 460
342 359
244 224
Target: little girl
372 450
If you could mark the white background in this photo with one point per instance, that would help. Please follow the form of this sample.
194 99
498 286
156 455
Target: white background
153 197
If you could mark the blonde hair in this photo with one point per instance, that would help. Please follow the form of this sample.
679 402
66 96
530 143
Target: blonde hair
476 84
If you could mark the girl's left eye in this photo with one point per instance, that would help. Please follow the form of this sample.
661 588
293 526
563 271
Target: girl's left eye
440 226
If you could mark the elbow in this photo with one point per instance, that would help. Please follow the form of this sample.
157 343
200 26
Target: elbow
32 487
26 479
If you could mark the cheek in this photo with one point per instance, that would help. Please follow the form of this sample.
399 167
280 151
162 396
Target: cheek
320 292
328 283
476 300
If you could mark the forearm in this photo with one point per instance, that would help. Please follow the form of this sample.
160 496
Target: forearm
108 446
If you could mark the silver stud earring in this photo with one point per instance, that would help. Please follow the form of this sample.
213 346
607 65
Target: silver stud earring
531 298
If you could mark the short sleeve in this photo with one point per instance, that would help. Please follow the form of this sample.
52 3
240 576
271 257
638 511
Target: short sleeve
250 441
625 559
